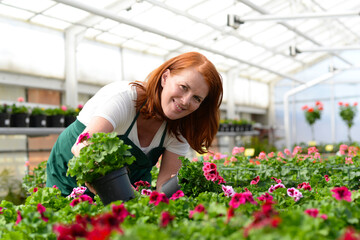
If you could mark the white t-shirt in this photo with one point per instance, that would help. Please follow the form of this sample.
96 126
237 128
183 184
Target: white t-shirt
115 103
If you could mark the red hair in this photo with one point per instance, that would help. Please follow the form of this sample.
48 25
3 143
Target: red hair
200 127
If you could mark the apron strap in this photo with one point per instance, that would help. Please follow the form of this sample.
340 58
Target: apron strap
133 122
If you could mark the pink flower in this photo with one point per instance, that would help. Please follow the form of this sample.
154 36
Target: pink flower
296 194
262 155
313 212
324 216
63 107
83 137
276 180
327 178
297 150
177 195
265 197
141 184
241 198
1 210
35 189
157 198
80 106
166 218
19 218
146 192
255 180
41 209
237 150
80 199
312 150
76 192
273 188
54 186
228 190
287 151
348 160
195 159
305 186
198 209
20 99
27 163
342 193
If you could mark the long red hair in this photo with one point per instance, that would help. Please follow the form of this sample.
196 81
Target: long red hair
200 127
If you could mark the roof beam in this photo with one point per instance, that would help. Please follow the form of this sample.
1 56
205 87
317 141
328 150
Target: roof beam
262 11
217 28
115 17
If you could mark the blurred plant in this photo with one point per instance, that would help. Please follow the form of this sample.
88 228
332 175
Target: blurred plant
38 111
56 111
347 113
15 109
312 114
37 178
4 108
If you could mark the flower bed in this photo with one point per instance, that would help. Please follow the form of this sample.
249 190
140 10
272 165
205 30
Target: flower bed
266 205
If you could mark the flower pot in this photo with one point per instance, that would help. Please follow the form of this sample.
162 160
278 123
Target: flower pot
114 186
69 120
55 121
171 186
37 120
4 120
19 120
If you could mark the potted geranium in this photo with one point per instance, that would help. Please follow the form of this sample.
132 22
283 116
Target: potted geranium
38 117
55 116
347 113
4 115
312 114
19 116
103 163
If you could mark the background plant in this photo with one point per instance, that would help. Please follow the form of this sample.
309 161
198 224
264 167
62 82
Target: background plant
312 114
347 113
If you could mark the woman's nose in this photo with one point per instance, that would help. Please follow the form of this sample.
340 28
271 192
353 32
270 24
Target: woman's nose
185 100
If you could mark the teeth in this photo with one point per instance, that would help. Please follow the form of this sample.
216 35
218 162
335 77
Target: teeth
177 106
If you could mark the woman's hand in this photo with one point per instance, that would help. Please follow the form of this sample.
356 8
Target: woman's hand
91 189
77 147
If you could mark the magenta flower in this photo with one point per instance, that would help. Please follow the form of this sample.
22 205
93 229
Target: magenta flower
140 184
35 189
19 218
273 188
177 195
76 192
265 197
296 194
342 193
83 137
327 178
276 180
120 212
255 180
54 186
305 186
198 209
82 198
157 198
165 219
313 212
41 209
241 198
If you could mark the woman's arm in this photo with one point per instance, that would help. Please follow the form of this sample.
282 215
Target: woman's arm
170 165
97 124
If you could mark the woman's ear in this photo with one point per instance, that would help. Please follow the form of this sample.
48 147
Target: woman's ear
164 77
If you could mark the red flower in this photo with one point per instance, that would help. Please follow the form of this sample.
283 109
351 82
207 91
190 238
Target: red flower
310 109
120 212
19 218
230 214
313 212
198 209
83 137
156 198
342 193
41 209
166 218
177 195
35 189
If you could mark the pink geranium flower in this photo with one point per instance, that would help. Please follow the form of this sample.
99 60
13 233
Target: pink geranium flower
82 198
83 137
228 190
41 209
255 180
313 212
342 193
146 192
20 99
198 209
156 198
177 195
166 218
19 218
265 197
77 192
327 178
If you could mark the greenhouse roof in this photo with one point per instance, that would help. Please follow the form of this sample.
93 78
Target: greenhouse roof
267 40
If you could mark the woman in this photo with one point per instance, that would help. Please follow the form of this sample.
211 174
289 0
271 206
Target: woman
176 107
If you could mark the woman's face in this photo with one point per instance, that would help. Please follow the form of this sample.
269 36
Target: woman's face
182 93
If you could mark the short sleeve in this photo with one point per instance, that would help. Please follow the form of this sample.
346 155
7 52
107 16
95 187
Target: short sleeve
175 146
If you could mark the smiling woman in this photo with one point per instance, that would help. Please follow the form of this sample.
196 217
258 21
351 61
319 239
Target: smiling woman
175 108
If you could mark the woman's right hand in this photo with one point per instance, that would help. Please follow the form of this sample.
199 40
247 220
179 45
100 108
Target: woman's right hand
91 189
77 147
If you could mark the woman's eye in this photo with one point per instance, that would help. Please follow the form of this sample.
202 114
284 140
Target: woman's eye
183 87
197 99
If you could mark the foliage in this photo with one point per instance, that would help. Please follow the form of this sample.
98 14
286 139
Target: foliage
37 178
15 109
38 111
55 111
313 113
12 187
4 108
348 112
104 154
192 179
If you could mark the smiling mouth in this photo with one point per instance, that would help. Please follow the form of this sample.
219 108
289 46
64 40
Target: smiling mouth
178 107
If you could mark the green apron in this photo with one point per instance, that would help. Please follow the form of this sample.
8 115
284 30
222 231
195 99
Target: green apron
60 155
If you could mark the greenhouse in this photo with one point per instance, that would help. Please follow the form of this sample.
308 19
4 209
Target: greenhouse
179 119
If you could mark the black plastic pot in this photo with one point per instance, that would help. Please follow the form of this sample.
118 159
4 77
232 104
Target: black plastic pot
114 186
19 120
37 120
69 120
55 121
171 186
4 120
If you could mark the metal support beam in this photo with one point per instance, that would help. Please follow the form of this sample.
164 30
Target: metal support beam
294 50
117 18
297 17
